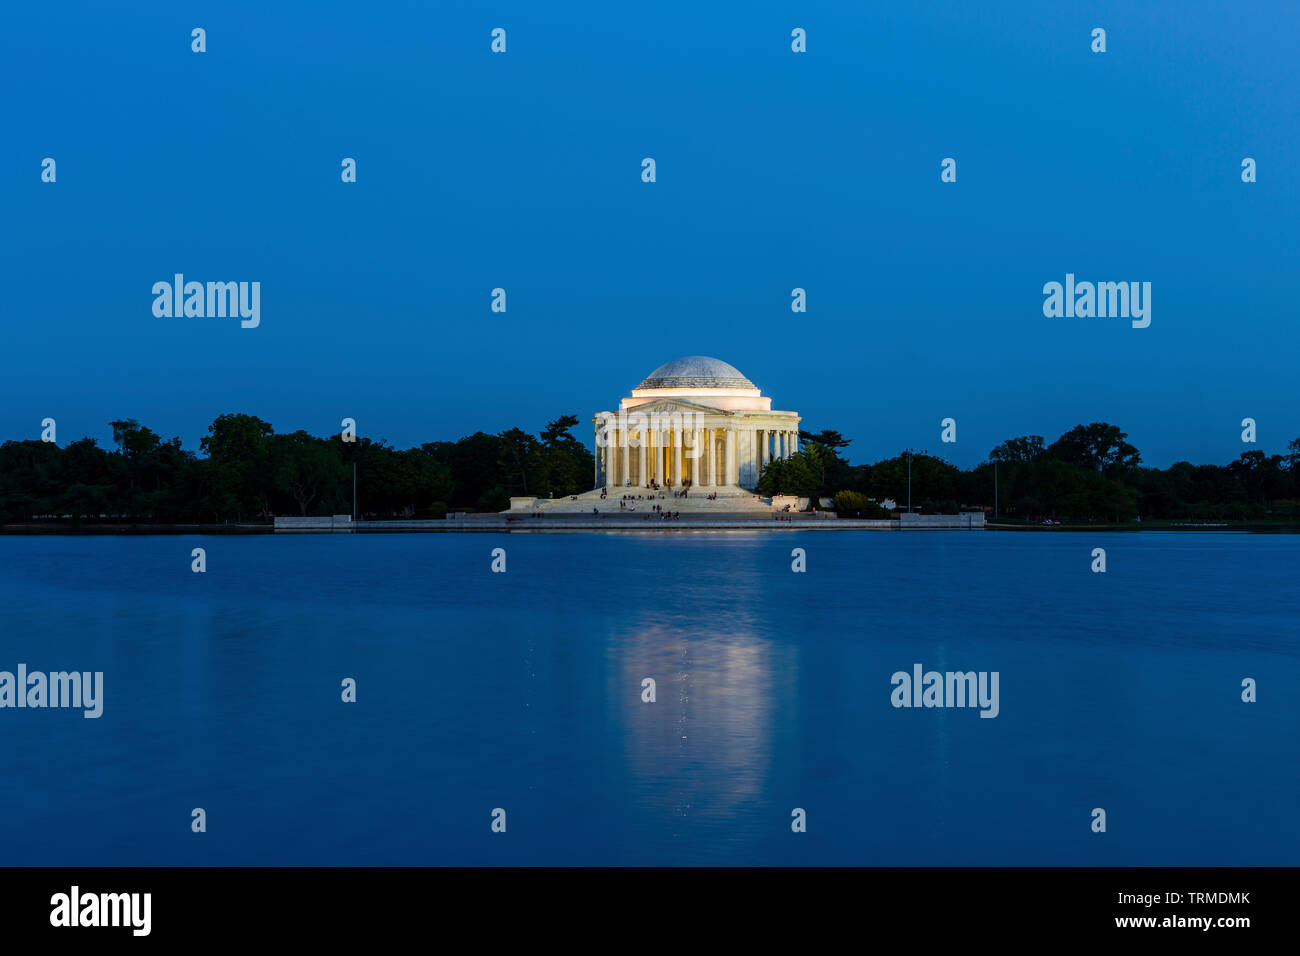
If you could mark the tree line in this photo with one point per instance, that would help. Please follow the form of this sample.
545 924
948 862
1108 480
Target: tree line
248 472
244 471
1090 474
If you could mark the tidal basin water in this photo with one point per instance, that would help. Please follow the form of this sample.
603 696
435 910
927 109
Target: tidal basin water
523 691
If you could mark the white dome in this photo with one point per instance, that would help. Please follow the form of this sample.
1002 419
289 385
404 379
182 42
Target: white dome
697 371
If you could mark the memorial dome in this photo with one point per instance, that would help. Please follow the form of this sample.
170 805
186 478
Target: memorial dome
696 371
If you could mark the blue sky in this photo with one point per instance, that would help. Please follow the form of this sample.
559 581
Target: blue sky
775 170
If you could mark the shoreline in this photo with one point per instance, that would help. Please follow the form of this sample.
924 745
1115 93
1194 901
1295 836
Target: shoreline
580 524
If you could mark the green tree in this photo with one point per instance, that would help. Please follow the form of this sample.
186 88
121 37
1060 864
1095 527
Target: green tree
822 454
1098 446
239 453
569 464
307 469
853 504
520 457
792 476
933 479
826 438
1028 448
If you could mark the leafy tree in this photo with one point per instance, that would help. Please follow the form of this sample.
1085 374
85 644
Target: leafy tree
826 438
309 470
557 434
1263 478
88 472
932 479
520 456
798 475
570 462
769 479
31 483
1028 448
1098 446
239 453
853 504
148 468
821 453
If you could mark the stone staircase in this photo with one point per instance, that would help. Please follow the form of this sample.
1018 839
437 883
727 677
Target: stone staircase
730 501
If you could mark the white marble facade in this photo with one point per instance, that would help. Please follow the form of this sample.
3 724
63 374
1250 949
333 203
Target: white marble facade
696 420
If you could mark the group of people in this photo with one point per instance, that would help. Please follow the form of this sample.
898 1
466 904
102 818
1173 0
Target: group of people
626 503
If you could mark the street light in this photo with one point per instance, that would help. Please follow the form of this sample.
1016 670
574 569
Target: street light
909 480
910 452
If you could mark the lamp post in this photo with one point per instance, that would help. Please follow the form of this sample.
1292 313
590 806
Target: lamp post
909 481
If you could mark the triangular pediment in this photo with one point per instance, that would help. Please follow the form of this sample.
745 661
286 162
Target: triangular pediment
668 406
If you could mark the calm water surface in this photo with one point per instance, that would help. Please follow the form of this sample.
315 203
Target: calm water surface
523 691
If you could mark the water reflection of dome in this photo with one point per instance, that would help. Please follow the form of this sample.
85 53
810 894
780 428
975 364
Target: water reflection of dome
704 749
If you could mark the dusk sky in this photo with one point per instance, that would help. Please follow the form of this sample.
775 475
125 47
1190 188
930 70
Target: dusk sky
775 170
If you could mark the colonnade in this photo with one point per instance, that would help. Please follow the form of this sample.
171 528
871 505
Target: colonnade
707 457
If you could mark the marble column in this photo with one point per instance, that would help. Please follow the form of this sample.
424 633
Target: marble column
731 472
641 455
677 457
627 458
608 458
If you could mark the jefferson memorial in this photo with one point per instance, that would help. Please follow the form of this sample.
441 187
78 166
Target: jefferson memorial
696 422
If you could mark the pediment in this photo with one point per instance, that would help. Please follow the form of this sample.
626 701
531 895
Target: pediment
669 406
